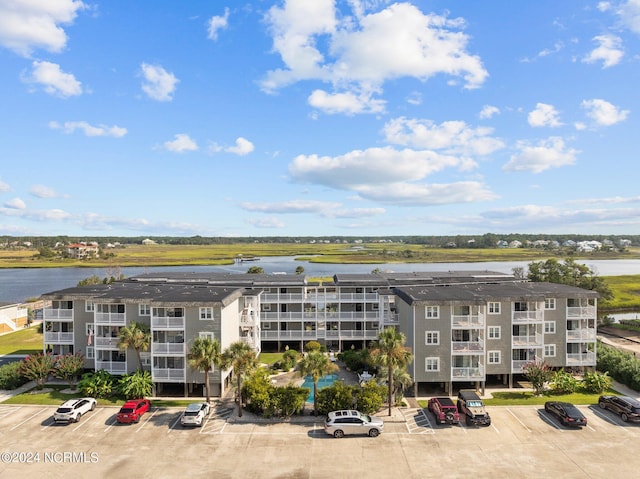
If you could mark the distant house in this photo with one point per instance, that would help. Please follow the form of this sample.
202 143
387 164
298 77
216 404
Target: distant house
148 241
588 246
515 244
82 250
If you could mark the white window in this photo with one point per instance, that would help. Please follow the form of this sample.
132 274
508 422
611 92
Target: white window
549 350
550 303
89 329
432 312
89 307
493 308
206 335
266 325
494 332
494 357
432 364
432 337
206 313
144 310
90 352
549 327
266 307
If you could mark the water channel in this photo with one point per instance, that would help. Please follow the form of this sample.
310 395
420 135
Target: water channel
18 284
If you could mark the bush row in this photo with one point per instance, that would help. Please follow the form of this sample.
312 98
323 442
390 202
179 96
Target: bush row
621 365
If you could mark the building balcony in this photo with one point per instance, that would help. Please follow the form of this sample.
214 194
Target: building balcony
574 312
110 319
527 317
281 298
290 334
358 297
106 343
467 321
168 375
288 316
56 337
469 347
581 359
50 314
167 322
113 367
580 335
171 349
517 366
468 373
390 318
527 340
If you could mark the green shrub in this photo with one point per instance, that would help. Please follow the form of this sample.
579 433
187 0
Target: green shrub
312 346
289 400
11 377
335 397
596 382
371 397
563 383
136 385
98 385
357 361
289 359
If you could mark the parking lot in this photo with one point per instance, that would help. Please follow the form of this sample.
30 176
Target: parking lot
523 441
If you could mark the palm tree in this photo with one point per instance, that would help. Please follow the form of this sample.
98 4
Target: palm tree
316 365
389 351
242 358
136 336
401 381
203 355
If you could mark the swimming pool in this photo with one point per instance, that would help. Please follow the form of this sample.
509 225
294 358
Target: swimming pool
323 382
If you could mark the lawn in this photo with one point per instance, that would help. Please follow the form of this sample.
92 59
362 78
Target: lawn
23 341
270 358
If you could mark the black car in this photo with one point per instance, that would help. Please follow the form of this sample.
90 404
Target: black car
566 412
626 407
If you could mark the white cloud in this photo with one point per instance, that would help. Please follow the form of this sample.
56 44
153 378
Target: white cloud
217 23
268 222
488 111
294 206
182 143
41 191
549 153
158 83
544 115
411 194
365 50
450 136
4 187
414 98
609 51
16 204
629 13
89 130
349 103
604 113
242 147
53 79
27 25
371 166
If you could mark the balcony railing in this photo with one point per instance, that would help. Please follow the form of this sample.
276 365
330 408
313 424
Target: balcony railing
586 334
525 340
57 314
168 374
467 321
358 297
281 298
167 322
581 359
473 347
54 337
518 365
581 312
118 319
467 373
167 348
390 318
527 316
114 367
106 343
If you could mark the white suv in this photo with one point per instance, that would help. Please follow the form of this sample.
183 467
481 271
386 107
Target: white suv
73 409
339 423
195 414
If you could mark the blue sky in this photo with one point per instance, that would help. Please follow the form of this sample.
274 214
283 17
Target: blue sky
305 118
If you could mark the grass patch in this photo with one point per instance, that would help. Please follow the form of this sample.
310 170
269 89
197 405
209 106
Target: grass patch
626 293
23 341
270 358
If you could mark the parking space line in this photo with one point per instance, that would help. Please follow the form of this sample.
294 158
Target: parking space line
8 410
109 426
148 419
86 420
550 421
28 419
175 423
50 422
608 419
518 419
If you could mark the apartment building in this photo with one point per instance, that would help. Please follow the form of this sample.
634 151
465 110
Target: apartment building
461 326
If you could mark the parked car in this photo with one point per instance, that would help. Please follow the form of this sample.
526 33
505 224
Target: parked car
195 414
626 407
566 412
444 409
131 411
470 404
341 423
73 409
